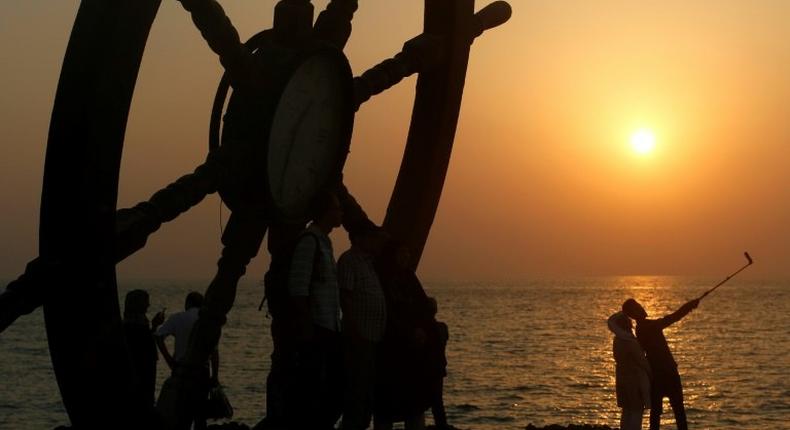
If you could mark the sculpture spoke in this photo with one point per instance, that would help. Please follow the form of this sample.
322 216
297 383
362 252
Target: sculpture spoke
425 52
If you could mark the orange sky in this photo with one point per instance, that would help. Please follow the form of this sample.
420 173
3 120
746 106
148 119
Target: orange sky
542 182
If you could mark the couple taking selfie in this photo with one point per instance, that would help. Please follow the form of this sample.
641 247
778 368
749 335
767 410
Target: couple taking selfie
645 370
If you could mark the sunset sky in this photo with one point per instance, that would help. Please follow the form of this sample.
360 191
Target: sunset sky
544 180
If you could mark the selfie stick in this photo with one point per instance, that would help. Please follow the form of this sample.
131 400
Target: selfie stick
748 258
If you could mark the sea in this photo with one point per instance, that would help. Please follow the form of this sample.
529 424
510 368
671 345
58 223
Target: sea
535 351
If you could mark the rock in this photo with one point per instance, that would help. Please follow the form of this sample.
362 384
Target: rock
571 427
228 426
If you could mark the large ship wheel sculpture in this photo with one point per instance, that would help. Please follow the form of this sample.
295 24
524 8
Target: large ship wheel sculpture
285 137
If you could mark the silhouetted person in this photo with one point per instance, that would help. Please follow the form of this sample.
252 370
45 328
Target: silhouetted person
283 239
140 339
180 325
632 373
364 320
666 379
438 335
314 398
404 374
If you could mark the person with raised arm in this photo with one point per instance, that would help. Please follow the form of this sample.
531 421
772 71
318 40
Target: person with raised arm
666 379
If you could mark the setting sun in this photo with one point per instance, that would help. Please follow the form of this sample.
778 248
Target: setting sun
643 141
485 213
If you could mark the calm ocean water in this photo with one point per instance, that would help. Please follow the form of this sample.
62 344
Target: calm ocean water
532 352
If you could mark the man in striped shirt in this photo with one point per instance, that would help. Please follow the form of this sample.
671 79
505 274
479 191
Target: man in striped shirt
364 319
315 380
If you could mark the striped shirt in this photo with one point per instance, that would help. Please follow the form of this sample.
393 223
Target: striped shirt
368 312
319 283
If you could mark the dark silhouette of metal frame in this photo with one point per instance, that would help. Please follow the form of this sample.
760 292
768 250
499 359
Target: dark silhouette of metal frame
82 237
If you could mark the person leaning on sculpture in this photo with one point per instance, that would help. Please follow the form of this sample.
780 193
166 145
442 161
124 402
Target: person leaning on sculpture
180 325
632 373
364 320
403 367
314 394
666 379
140 339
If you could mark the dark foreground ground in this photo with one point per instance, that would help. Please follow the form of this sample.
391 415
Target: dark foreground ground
234 426
556 427
571 427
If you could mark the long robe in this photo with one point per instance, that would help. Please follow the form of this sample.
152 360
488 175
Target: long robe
632 371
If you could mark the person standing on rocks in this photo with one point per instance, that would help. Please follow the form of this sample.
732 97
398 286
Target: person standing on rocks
632 373
314 397
666 379
139 334
364 321
180 326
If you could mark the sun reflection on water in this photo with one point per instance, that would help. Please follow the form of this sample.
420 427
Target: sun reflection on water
535 352
564 371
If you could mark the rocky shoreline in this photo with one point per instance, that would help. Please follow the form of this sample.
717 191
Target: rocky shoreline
571 427
237 426
531 426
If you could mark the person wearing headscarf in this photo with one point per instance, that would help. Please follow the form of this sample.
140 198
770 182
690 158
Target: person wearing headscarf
632 372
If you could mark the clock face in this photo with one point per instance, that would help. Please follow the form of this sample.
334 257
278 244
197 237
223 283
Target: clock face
310 134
